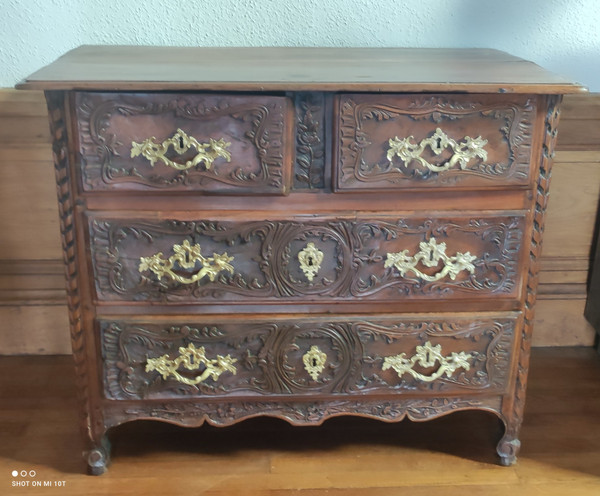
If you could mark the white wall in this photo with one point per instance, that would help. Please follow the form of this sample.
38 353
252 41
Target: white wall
561 35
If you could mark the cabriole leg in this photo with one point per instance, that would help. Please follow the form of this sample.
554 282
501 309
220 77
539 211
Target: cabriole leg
98 458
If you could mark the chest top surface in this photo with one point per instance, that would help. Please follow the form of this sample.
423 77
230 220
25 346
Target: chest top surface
147 68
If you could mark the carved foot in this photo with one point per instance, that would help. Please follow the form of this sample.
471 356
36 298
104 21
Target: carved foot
98 458
508 448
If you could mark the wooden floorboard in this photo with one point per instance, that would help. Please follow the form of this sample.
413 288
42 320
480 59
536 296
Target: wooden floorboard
345 456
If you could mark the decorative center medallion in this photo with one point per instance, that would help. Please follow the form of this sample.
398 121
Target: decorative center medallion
310 259
314 362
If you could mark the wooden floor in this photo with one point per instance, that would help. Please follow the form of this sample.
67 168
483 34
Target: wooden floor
454 455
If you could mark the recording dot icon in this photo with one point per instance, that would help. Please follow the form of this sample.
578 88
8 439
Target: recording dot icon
15 473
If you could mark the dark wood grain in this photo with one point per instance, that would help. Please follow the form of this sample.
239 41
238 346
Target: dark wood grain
296 69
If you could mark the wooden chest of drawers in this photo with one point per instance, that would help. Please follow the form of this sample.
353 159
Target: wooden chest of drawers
301 233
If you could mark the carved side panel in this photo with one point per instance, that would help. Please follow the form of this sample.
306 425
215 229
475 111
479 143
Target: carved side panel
91 421
374 127
306 357
513 407
310 141
259 261
255 131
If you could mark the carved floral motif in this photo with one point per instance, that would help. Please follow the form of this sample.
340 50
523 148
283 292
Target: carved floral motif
310 141
512 411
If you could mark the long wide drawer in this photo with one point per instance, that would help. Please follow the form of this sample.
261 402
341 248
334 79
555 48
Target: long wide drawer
303 259
418 354
184 141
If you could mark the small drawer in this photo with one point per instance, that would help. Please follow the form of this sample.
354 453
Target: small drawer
185 142
302 259
421 141
217 357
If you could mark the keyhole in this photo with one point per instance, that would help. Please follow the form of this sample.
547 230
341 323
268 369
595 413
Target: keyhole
438 142
181 142
310 261
314 362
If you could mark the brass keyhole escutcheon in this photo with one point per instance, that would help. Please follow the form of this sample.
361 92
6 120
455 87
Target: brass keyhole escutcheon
314 362
310 258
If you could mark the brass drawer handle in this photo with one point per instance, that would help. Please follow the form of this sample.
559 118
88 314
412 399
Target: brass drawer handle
310 258
207 152
192 358
427 356
430 254
463 152
186 257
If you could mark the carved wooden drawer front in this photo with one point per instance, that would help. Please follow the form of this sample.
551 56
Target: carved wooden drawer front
401 354
384 258
175 142
433 141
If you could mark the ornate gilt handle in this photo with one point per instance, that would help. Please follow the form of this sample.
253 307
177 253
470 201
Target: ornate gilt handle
463 152
186 256
192 358
181 142
427 356
430 254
